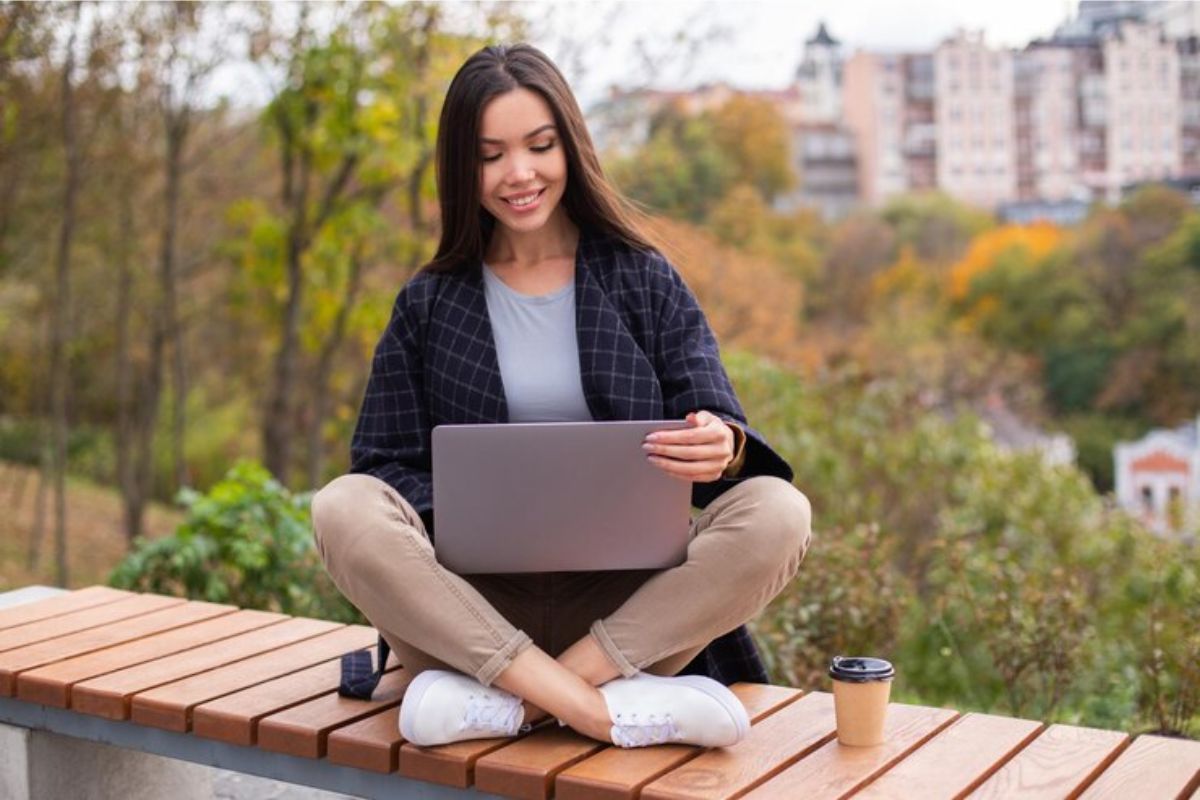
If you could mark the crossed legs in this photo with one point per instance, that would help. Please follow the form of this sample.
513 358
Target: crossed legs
744 548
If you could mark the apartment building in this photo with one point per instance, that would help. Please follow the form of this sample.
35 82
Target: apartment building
1141 71
1049 135
873 99
974 115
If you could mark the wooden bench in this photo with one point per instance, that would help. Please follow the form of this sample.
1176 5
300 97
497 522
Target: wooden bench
256 692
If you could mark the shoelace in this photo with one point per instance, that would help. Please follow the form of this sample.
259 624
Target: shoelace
629 731
491 713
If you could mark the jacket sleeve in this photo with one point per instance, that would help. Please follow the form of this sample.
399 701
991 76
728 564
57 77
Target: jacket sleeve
688 362
392 438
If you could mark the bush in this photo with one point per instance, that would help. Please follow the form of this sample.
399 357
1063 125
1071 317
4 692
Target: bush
995 582
247 542
847 600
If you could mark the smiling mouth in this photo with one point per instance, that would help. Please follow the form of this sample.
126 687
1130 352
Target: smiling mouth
520 201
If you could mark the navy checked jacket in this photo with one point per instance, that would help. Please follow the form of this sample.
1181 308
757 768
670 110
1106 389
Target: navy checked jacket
646 351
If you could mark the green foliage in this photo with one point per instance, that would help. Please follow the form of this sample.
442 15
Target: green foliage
691 162
847 599
681 170
1075 374
1095 437
89 448
247 542
935 225
994 581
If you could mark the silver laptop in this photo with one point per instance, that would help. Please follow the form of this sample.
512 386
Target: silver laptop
555 496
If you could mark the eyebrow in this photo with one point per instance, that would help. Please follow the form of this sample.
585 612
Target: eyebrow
529 135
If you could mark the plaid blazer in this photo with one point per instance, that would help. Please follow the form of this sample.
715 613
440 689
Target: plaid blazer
646 351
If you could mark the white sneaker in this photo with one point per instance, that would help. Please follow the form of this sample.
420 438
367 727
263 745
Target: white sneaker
652 709
440 707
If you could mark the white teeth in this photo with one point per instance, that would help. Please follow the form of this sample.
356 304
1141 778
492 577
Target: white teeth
524 201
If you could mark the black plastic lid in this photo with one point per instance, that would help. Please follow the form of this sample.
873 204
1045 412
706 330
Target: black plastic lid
861 670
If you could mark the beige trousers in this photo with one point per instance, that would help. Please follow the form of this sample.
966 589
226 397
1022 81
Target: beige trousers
743 549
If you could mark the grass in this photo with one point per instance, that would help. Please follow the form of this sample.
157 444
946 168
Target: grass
95 530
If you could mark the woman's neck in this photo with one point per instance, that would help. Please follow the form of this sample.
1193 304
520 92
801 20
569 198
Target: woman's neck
555 240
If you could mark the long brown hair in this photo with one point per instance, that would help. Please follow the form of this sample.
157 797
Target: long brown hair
590 200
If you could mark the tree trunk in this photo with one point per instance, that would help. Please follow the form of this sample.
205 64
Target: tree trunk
277 427
126 473
320 384
61 312
177 127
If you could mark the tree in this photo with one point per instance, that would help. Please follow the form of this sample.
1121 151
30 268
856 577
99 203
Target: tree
60 314
753 135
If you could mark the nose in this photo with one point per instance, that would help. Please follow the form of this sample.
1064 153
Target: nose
520 171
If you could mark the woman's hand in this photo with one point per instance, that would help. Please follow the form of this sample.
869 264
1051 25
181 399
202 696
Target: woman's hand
699 452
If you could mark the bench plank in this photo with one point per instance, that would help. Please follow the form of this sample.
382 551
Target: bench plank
1153 766
835 771
91 639
371 744
109 695
773 744
75 621
170 706
302 730
60 604
526 768
1058 764
957 760
234 717
51 684
617 772
448 764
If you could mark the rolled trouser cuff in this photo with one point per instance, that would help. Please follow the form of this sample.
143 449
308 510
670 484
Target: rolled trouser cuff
502 658
611 650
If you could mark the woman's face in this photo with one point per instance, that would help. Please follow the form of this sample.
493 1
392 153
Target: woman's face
524 167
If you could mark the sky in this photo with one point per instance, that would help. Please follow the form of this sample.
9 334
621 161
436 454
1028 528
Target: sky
753 44
759 43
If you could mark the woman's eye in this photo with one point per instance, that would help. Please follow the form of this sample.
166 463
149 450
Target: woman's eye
542 148
491 158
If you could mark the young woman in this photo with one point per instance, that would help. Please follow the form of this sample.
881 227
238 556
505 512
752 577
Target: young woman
545 303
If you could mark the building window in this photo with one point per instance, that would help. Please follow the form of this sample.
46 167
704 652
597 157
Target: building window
1148 499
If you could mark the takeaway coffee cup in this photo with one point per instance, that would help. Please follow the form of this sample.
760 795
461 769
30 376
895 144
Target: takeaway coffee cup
861 687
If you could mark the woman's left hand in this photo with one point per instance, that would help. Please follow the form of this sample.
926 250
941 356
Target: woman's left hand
699 452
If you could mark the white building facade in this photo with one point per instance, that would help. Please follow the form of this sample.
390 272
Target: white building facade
1158 479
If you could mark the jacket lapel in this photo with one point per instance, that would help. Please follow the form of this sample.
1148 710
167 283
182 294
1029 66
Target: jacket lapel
619 381
482 370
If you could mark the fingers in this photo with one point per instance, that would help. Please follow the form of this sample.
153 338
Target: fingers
707 429
689 452
698 471
698 453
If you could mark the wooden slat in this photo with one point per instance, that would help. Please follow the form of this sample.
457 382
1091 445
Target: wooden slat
109 695
51 684
1153 766
90 639
448 764
372 744
60 604
302 730
617 772
957 760
1057 764
772 745
835 771
170 706
75 621
234 717
526 767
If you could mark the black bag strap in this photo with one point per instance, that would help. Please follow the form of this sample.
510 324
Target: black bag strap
358 679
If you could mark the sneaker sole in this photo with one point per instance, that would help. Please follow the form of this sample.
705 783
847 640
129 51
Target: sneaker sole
719 692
